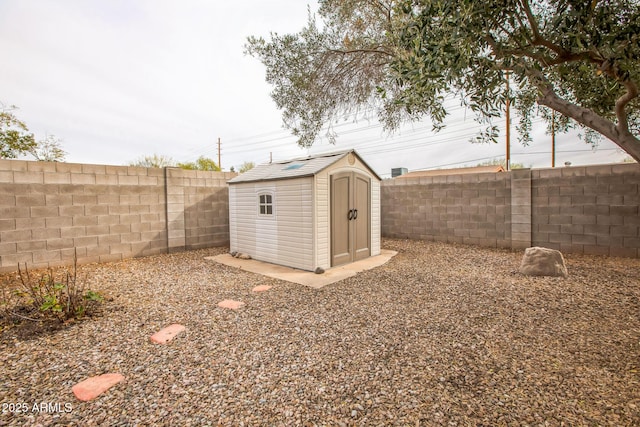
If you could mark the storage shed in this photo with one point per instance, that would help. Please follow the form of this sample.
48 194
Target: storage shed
315 212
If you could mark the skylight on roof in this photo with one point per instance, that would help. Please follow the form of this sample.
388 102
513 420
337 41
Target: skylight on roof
293 166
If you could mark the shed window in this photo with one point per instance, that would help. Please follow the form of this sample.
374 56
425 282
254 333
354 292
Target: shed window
266 204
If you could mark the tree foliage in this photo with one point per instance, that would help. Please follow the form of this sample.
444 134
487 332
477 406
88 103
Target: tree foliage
161 161
400 58
502 162
49 150
201 164
322 73
153 161
246 166
15 138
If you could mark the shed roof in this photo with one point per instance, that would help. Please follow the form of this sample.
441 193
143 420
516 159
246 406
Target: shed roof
295 168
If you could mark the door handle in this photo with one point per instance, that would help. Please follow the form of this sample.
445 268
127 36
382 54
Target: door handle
350 215
355 213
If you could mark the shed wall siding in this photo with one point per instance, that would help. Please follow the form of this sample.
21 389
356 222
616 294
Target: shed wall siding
242 220
323 224
285 238
233 224
322 221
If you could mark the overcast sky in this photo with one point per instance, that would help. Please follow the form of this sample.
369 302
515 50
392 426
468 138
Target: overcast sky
119 79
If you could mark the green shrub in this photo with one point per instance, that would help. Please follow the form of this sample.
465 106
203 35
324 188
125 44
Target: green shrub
64 298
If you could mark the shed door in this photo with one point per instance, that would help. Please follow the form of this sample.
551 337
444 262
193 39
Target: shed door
350 222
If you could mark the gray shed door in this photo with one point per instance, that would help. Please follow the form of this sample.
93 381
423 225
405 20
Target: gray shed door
350 222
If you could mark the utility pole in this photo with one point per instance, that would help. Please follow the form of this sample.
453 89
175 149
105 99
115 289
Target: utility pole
553 138
219 163
508 133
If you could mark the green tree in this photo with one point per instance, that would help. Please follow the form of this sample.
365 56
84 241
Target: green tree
400 58
15 138
153 161
201 164
246 166
503 163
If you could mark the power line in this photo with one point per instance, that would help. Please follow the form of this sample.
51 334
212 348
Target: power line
249 142
353 134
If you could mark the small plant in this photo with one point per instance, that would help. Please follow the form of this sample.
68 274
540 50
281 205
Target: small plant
64 299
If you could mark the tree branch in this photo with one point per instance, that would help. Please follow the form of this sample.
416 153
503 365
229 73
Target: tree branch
532 20
352 51
621 104
538 40
386 10
619 133
542 59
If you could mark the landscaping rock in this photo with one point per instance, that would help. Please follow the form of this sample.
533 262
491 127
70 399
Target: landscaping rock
539 261
442 334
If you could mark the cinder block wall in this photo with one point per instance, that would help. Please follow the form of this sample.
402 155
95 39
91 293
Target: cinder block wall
586 209
206 210
470 209
592 210
103 213
107 213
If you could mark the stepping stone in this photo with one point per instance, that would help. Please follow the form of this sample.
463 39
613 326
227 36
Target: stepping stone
229 303
261 288
93 387
165 335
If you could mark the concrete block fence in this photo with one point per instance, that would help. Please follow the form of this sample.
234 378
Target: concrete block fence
584 209
108 213
592 210
471 209
48 211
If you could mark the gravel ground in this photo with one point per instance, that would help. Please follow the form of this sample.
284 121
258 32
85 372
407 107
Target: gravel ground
440 335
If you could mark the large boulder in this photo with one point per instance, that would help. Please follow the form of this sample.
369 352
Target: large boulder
539 261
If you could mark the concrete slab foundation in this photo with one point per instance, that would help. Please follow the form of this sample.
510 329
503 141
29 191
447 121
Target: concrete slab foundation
302 277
